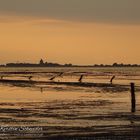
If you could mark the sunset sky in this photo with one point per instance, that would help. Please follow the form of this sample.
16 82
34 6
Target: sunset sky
70 31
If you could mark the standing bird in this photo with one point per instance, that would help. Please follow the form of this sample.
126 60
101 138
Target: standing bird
111 81
81 77
30 78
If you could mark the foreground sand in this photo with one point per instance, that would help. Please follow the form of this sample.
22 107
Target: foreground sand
67 113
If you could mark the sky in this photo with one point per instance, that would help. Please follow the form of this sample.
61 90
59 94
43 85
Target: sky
70 31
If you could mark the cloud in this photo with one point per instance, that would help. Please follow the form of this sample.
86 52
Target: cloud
104 11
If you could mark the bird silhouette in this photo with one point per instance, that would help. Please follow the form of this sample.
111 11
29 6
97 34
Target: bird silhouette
111 81
59 75
81 77
30 78
52 78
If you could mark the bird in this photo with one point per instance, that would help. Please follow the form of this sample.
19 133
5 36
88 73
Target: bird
59 75
52 78
30 77
112 79
81 77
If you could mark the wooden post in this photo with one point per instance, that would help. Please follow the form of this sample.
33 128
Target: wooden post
133 98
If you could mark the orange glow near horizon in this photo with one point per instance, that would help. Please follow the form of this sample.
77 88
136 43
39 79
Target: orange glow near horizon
29 39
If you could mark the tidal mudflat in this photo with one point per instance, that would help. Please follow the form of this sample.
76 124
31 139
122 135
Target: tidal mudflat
69 111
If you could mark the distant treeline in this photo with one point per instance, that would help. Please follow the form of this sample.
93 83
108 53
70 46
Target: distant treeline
117 65
35 65
42 64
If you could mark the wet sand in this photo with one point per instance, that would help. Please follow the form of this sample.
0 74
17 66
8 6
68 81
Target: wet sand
66 109
56 112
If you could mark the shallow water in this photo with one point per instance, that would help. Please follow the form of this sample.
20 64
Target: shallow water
123 75
68 110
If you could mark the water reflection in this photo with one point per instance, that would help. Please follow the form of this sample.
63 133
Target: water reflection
41 89
71 108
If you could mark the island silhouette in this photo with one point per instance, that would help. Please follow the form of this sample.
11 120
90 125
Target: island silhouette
42 63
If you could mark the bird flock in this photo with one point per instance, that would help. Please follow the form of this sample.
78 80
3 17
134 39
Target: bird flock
61 75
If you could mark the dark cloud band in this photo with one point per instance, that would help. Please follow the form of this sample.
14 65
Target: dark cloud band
118 11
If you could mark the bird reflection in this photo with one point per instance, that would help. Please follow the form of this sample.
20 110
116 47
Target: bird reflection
2 77
41 89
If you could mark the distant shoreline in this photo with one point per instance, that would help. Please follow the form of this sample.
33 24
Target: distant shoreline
46 64
106 66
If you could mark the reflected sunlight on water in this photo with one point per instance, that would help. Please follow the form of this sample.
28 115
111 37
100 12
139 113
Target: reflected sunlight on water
69 108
